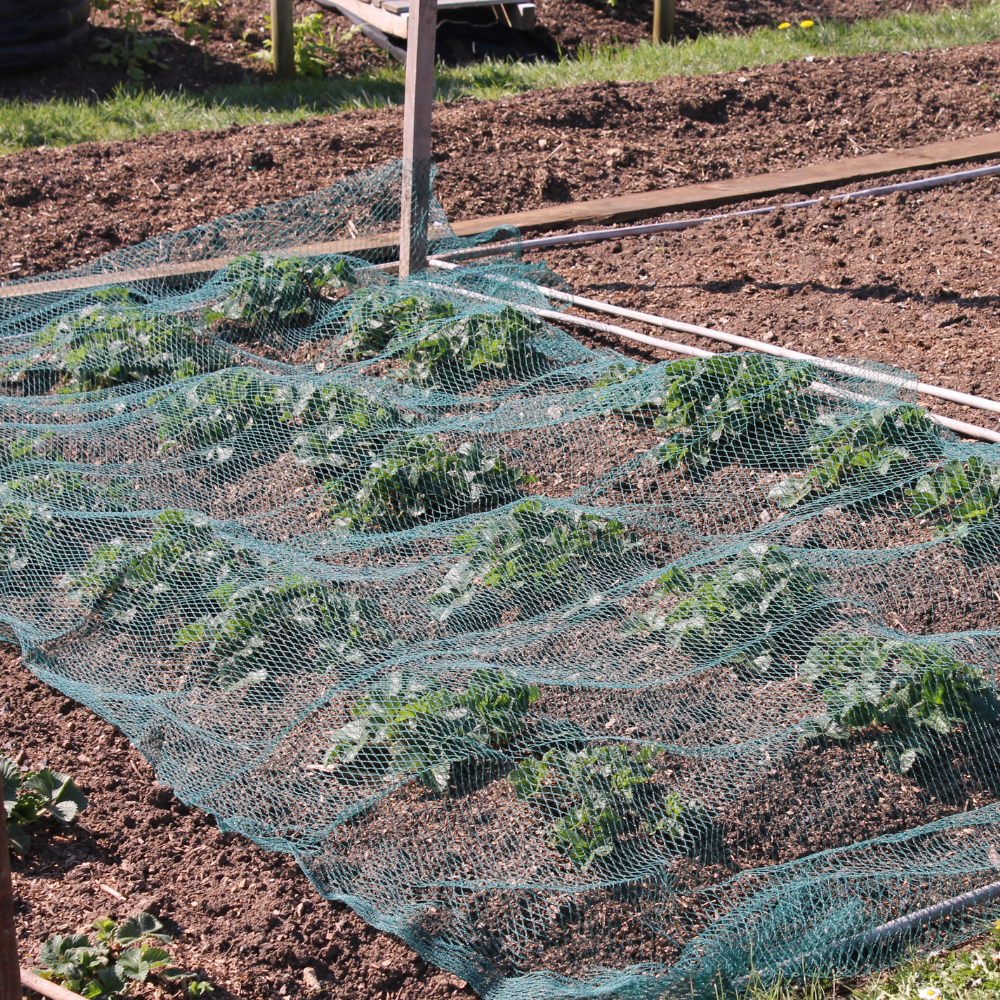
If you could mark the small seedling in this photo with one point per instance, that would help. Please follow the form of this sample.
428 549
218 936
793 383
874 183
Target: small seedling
417 481
909 697
31 796
314 55
412 725
136 52
756 612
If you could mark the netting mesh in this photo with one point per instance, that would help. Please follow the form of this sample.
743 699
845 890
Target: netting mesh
584 677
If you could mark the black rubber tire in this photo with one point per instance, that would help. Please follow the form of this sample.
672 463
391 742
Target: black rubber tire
44 27
37 55
15 10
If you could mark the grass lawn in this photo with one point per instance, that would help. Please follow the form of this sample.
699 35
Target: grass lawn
131 113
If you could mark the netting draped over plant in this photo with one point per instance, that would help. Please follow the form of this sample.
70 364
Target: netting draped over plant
585 677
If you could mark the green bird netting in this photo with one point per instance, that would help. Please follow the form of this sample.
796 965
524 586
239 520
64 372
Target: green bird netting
586 678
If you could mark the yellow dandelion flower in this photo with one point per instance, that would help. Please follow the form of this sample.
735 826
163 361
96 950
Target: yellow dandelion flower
806 24
783 25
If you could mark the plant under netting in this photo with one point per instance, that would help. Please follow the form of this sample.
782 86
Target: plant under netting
964 499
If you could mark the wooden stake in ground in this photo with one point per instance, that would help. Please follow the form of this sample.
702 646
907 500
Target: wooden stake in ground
10 974
663 20
282 39
416 189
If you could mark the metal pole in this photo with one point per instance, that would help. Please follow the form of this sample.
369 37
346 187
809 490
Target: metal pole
282 39
10 974
421 35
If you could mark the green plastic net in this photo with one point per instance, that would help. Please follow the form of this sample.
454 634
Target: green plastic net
584 677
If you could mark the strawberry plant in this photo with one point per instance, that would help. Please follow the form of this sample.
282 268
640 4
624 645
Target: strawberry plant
711 405
34 541
376 318
415 725
598 798
878 448
417 480
757 612
908 696
264 629
68 491
964 497
261 291
120 955
337 429
115 341
220 416
135 582
533 554
32 796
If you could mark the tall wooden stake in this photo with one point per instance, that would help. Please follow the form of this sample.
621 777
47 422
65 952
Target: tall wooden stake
282 39
10 974
664 12
421 35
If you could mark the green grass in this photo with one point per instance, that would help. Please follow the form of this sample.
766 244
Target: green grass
127 114
964 974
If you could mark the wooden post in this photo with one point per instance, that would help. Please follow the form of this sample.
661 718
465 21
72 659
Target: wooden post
282 39
10 974
421 35
664 13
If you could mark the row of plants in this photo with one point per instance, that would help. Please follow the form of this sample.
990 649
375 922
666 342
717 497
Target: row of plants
764 612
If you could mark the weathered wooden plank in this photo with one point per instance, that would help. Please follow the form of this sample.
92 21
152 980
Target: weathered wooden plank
644 204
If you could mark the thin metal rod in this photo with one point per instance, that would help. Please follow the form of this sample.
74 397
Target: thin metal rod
959 426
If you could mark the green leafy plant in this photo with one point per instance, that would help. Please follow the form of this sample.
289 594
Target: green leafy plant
709 405
135 52
34 541
757 612
264 629
261 290
68 491
115 342
417 480
869 448
209 415
909 696
196 17
432 346
338 429
378 317
119 956
414 725
534 554
599 797
964 497
314 55
135 582
31 796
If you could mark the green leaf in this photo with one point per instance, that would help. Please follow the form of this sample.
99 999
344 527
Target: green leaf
18 839
58 794
138 926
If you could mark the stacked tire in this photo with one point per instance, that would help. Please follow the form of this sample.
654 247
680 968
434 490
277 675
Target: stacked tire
37 33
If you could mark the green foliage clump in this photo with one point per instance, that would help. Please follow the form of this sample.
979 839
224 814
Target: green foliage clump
263 290
861 450
432 346
533 553
115 342
263 629
338 429
121 955
208 413
134 582
964 497
33 540
912 695
417 480
710 405
415 725
35 795
68 491
599 796
756 612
